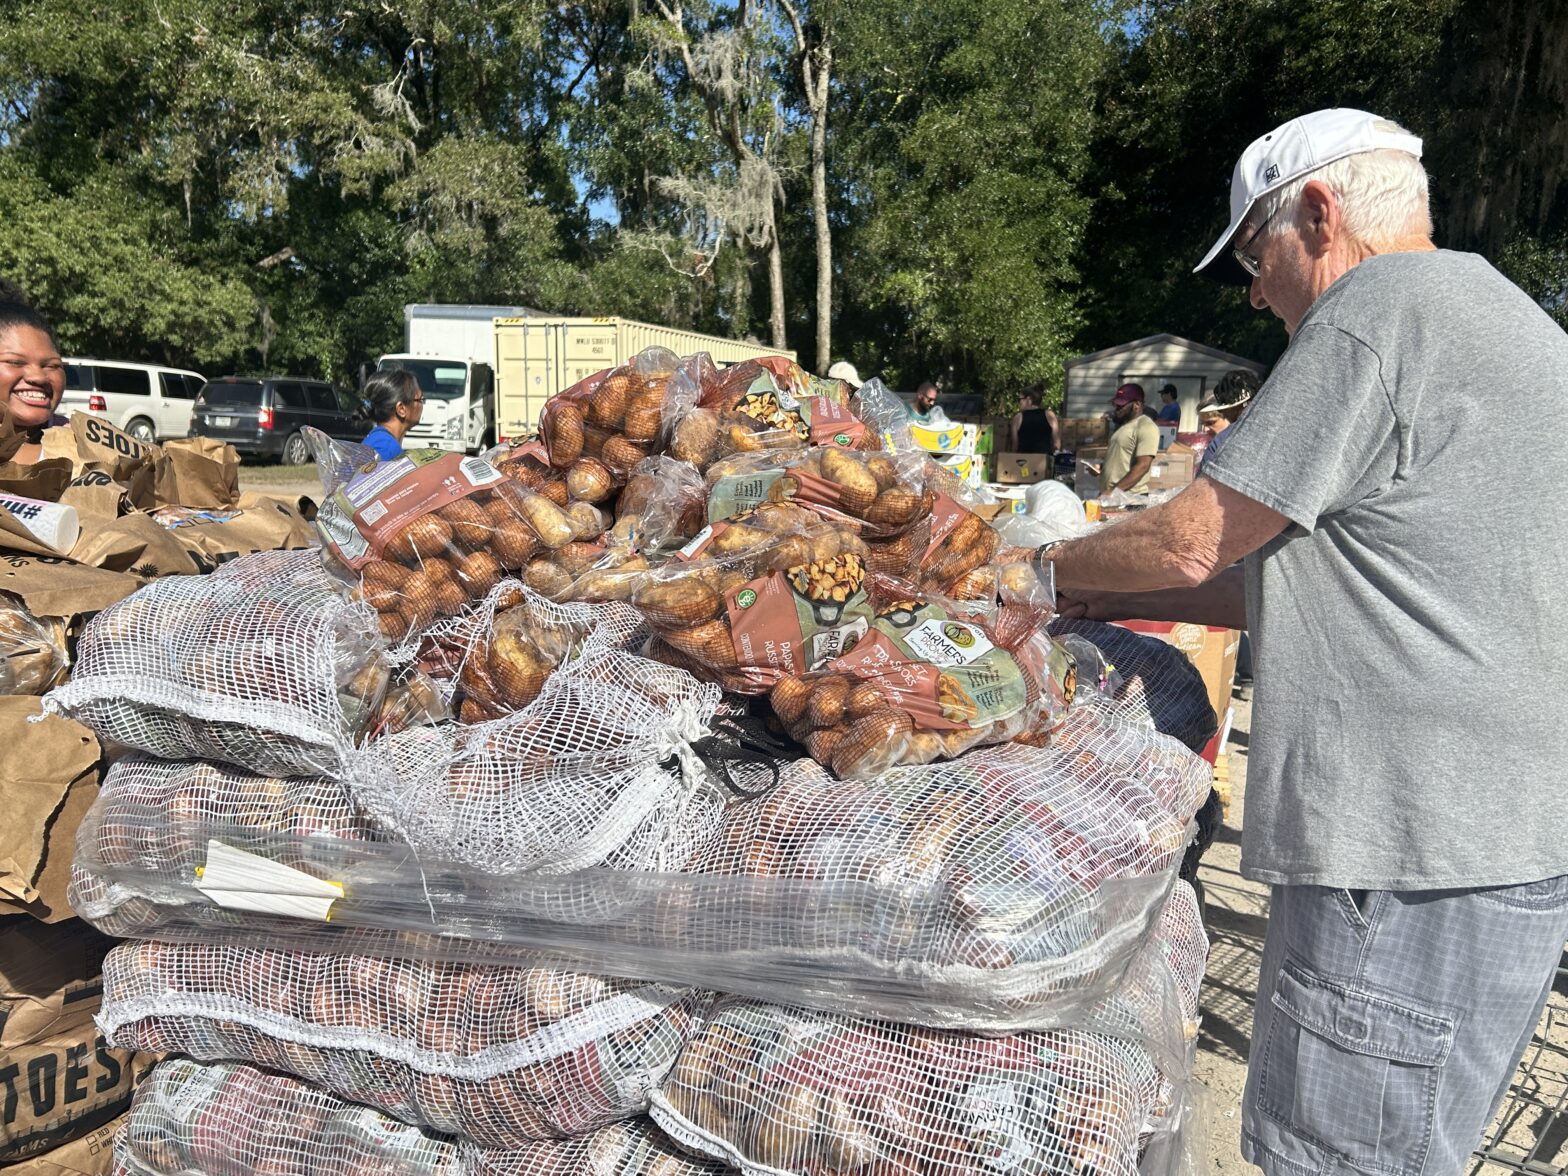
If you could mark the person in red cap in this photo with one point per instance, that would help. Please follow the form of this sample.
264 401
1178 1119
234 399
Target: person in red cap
1133 445
1405 780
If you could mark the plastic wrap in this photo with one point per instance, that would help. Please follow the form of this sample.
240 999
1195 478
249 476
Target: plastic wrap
232 1119
614 418
426 535
494 1055
32 651
264 663
589 773
664 504
1008 889
774 592
1152 683
928 682
783 1089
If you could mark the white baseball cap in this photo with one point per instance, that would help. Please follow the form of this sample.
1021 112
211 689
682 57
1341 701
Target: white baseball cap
1288 152
845 371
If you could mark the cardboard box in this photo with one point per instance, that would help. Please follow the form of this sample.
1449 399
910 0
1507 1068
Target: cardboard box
1023 469
1010 498
963 466
1212 650
952 439
1077 432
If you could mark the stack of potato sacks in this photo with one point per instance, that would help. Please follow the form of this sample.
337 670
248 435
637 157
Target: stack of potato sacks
946 937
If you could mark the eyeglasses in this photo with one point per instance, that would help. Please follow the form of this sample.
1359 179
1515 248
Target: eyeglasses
1244 259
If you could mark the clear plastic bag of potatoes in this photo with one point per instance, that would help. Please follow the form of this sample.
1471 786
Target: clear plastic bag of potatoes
929 681
774 592
426 536
32 650
265 663
613 419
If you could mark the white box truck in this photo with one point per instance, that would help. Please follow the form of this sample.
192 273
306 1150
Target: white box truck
451 352
537 356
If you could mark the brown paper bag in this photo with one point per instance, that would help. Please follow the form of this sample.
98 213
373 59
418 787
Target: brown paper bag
60 442
48 779
198 472
54 587
44 480
91 1155
133 543
96 495
125 459
258 522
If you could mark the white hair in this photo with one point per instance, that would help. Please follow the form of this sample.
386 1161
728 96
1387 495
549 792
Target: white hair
1382 195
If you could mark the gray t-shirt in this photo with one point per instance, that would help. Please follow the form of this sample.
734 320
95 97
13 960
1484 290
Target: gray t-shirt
1410 628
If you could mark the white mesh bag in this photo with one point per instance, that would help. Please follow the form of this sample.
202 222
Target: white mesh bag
494 1055
772 1089
151 828
1004 890
190 1119
231 1119
1153 685
596 770
265 663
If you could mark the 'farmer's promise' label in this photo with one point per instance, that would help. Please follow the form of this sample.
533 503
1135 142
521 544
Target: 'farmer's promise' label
945 673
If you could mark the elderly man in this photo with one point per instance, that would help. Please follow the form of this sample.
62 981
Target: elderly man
1408 778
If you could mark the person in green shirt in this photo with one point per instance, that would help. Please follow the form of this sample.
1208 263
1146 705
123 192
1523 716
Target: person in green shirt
1133 445
924 406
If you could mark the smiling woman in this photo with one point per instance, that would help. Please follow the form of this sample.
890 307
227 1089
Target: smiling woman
32 376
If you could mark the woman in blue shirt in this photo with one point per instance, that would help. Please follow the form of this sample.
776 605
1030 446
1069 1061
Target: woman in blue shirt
395 404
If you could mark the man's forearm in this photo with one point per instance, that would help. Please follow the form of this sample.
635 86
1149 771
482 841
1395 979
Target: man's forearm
1139 554
1222 602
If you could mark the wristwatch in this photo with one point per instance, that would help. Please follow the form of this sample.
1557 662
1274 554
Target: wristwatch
1046 575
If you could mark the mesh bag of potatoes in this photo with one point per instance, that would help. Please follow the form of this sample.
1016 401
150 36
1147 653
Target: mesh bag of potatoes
495 1055
928 681
498 657
191 1118
140 850
613 419
1003 889
427 535
591 772
32 650
265 663
773 1089
776 591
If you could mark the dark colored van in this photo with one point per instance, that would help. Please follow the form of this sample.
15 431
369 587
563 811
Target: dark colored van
261 416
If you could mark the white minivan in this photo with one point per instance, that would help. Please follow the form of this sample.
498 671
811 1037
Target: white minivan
149 402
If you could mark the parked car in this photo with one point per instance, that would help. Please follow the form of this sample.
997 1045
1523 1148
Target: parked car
149 402
261 416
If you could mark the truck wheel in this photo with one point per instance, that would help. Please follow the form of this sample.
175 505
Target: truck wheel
141 428
295 450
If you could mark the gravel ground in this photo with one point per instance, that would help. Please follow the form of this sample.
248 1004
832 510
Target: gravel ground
1531 1132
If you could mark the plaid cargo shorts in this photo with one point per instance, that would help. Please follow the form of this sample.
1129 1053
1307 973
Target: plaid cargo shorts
1389 1023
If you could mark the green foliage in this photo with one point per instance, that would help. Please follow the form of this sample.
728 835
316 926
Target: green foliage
235 184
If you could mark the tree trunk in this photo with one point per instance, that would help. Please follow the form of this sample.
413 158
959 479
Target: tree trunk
776 287
818 100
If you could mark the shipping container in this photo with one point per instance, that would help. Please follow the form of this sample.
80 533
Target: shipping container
537 357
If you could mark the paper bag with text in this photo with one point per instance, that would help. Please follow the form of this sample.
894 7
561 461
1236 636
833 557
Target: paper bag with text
54 587
132 463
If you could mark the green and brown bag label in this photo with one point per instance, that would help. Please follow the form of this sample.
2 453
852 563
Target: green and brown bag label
360 518
785 624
